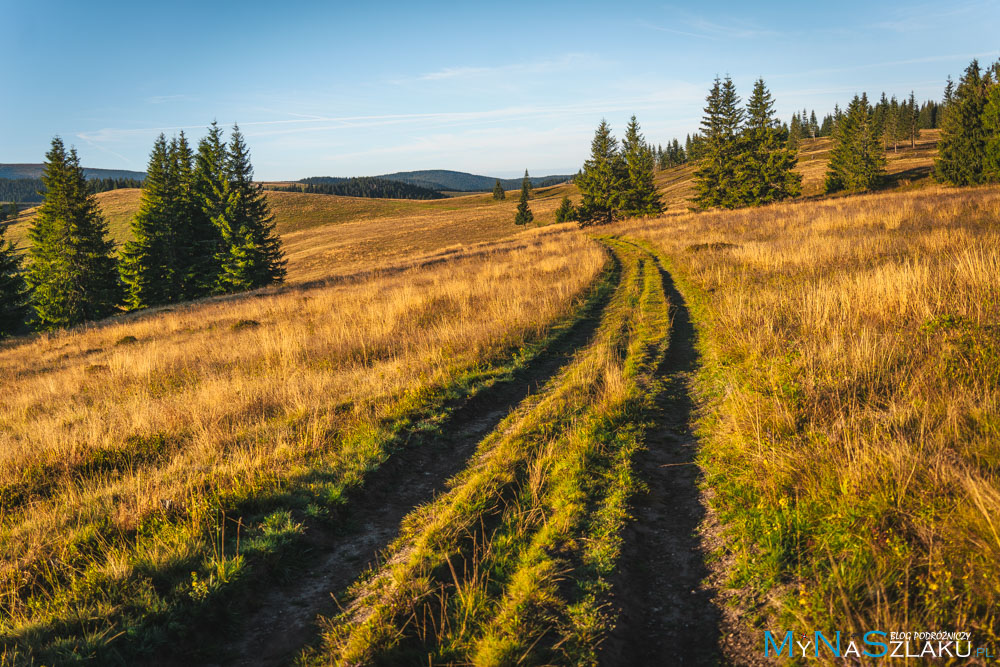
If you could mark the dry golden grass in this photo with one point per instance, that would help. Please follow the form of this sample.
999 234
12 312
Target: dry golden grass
905 166
120 442
327 234
512 565
851 359
426 227
299 211
852 369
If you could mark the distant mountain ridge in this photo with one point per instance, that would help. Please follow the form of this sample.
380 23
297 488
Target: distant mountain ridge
437 180
363 186
443 180
14 171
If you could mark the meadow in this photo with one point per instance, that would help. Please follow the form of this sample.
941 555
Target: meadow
432 445
159 430
849 387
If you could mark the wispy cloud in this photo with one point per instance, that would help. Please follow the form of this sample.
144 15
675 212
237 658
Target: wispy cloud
163 99
309 123
693 25
930 16
889 63
672 31
98 146
548 66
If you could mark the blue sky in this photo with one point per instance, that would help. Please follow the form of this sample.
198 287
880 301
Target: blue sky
344 89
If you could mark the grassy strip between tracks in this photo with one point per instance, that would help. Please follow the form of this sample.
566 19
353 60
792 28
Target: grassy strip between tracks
512 564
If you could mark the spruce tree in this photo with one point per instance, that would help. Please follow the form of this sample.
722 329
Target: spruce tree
826 129
498 191
566 212
640 196
962 146
523 216
716 178
208 191
857 161
991 126
913 120
893 126
880 113
251 255
949 91
601 182
13 289
149 263
197 239
794 132
767 173
72 272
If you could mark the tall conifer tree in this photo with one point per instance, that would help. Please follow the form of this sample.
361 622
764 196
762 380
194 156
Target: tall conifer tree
768 170
794 132
962 146
498 192
640 196
913 120
991 125
524 214
857 161
13 289
72 272
566 211
601 181
149 263
209 182
197 237
716 178
252 255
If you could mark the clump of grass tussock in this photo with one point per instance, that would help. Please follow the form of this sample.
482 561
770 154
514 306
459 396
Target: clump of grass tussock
852 421
512 564
135 497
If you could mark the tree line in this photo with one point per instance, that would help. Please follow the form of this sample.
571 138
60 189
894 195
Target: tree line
362 186
617 180
745 159
203 227
673 155
745 156
969 147
9 211
901 120
32 190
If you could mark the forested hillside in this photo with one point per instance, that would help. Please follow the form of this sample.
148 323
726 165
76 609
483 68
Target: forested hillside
365 186
443 180
35 171
32 190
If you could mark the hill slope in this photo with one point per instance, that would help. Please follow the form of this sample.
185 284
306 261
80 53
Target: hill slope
326 234
443 180
313 225
35 171
477 405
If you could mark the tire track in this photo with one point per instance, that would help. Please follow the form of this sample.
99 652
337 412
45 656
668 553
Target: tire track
282 618
666 614
498 571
